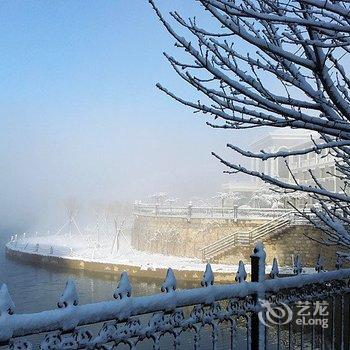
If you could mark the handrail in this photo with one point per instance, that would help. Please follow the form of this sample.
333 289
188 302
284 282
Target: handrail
251 236
218 241
259 235
245 232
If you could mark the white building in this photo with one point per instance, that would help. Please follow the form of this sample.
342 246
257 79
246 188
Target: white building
273 142
322 165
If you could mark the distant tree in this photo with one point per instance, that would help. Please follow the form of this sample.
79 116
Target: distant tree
226 196
265 197
278 64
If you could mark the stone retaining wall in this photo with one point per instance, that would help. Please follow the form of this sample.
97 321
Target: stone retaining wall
182 237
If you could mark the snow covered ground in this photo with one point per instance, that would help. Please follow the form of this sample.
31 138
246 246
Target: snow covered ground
78 248
87 250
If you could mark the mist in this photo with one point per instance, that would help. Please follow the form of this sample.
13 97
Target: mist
81 116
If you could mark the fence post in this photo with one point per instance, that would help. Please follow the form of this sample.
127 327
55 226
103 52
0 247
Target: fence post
189 210
235 212
258 264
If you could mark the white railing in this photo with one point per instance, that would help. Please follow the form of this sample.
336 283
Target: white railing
191 211
251 213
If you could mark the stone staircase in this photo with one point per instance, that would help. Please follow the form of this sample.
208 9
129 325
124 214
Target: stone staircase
246 238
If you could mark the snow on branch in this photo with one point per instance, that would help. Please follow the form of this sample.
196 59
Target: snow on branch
268 63
283 154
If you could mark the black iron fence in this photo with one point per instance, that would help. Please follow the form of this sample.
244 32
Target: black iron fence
300 311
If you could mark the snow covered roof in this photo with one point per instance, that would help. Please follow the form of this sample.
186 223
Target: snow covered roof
285 137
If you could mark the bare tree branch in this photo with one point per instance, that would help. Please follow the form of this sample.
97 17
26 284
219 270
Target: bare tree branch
277 64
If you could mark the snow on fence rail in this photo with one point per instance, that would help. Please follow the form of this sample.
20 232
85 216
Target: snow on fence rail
132 320
191 211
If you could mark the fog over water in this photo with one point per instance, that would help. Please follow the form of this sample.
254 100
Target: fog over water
81 117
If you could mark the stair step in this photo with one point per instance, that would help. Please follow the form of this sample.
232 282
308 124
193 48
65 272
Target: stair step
244 238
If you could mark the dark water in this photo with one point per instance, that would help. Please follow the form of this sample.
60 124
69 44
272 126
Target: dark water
34 288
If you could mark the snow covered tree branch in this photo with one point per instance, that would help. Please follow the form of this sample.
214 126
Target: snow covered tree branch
278 64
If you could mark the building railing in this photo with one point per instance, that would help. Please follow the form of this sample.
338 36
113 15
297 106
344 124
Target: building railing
219 312
192 211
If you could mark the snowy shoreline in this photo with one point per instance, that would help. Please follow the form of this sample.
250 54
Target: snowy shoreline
81 254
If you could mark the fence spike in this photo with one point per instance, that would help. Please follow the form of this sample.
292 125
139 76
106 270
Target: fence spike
69 296
274 270
6 303
297 269
319 264
208 277
170 282
124 287
241 275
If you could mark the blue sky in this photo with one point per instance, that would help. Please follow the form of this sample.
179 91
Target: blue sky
80 114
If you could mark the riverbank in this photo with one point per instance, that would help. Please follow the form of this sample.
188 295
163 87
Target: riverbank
79 253
80 256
